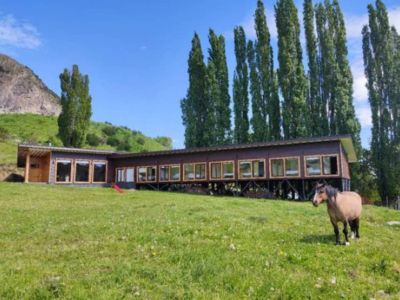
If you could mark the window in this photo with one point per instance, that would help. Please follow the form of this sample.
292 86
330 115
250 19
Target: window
151 173
258 168
130 174
196 171
244 169
292 166
188 172
330 165
164 173
120 175
175 173
142 174
82 171
170 173
99 171
276 167
252 168
63 171
216 170
200 171
228 170
313 165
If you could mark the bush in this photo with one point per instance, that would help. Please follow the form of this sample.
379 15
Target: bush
124 146
140 140
109 130
113 141
93 139
165 141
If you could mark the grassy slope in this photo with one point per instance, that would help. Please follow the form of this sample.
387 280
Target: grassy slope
41 129
94 243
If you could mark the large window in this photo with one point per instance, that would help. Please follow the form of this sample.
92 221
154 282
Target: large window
313 165
120 175
82 170
63 171
130 174
222 170
147 174
330 165
196 171
99 171
277 167
170 173
292 167
252 168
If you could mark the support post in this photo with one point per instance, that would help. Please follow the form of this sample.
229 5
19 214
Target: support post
27 166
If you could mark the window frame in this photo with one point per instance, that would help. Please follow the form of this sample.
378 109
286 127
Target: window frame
76 161
170 166
146 181
284 158
70 172
194 171
221 163
251 160
320 156
106 174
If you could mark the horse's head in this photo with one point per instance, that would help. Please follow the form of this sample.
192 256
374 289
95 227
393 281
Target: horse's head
321 194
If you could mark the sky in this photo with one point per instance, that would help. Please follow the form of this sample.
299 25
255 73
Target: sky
135 52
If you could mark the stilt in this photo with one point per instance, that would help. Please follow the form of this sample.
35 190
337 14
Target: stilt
27 166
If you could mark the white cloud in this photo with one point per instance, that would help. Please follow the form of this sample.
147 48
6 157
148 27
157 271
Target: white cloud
18 34
359 81
364 116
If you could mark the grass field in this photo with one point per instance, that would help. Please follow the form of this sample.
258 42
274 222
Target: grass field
80 243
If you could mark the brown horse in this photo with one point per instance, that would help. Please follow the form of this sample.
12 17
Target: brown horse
343 207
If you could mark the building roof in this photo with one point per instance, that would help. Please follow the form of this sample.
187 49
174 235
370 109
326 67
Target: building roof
346 141
38 150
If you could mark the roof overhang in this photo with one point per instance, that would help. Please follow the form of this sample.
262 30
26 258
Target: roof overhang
348 146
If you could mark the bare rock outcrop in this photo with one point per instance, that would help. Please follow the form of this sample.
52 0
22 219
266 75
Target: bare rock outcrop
22 91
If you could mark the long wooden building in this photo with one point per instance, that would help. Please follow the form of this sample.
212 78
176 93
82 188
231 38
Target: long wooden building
275 169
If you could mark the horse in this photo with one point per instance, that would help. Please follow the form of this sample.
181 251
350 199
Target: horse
345 207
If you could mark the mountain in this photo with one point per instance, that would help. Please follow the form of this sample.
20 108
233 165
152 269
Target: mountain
22 91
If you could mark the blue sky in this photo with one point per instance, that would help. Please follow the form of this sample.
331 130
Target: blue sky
135 52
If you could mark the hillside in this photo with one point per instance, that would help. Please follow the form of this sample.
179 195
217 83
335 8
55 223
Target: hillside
22 91
30 128
76 243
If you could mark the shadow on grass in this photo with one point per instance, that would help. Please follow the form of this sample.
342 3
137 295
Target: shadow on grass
318 239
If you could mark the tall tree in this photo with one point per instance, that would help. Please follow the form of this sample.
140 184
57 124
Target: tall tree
217 57
76 103
197 109
258 121
240 88
380 50
292 79
314 102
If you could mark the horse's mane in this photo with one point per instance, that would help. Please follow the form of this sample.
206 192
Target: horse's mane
331 192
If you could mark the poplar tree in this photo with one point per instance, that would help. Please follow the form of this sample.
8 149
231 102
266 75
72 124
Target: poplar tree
258 122
314 102
217 57
240 88
292 80
76 107
197 109
381 53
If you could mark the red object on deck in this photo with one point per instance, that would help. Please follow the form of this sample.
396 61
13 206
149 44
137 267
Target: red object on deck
117 188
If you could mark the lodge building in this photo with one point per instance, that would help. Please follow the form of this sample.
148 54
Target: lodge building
280 168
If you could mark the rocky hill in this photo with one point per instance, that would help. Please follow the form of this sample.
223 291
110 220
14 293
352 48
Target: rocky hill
22 91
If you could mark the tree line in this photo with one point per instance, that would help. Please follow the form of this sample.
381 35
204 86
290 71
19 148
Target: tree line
291 101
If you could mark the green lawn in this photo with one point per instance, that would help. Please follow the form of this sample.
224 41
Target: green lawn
80 243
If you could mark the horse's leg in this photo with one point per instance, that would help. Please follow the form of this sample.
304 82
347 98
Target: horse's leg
357 226
346 232
336 229
352 224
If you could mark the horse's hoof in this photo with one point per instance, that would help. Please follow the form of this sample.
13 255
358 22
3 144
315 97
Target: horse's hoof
347 244
353 236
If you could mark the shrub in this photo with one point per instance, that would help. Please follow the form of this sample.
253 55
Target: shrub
93 139
113 141
140 140
124 146
109 130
